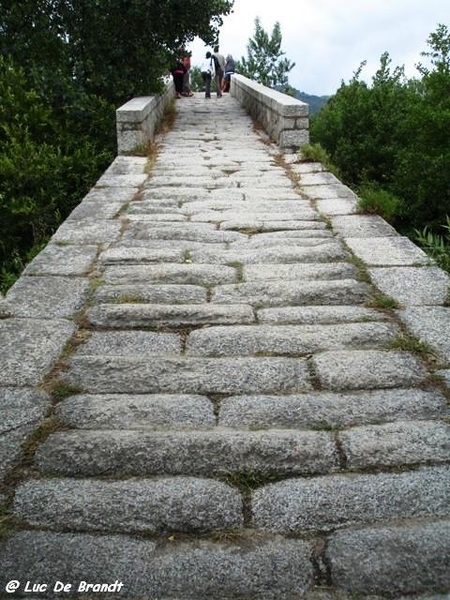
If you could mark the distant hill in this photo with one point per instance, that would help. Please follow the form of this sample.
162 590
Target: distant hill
315 102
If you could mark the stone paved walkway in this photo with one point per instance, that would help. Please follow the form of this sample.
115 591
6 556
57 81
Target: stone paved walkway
218 399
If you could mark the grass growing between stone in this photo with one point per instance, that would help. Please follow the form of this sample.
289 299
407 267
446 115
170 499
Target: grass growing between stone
382 302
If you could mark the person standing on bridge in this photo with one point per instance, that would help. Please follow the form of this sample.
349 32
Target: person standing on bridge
208 72
230 68
178 71
219 63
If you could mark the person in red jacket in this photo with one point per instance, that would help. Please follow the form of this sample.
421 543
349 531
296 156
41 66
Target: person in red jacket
186 60
178 71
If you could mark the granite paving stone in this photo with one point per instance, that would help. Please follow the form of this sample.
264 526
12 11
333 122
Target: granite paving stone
126 343
200 453
413 285
308 315
137 411
183 274
62 260
387 251
151 293
431 324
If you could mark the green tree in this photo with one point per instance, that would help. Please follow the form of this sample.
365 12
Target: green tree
265 63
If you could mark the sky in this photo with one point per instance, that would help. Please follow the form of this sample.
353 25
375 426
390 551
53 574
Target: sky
329 39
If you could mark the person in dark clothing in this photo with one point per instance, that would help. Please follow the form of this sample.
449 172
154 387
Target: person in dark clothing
230 68
178 71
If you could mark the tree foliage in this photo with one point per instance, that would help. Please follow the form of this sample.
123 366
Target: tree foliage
265 63
394 135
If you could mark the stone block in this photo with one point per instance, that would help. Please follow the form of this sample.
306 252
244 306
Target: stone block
413 285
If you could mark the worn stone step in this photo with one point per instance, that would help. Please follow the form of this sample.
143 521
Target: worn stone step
262 569
169 315
286 340
354 369
125 255
310 315
255 213
395 444
152 293
337 501
185 274
279 293
391 561
202 453
135 375
295 272
195 232
184 504
331 410
124 343
327 252
136 411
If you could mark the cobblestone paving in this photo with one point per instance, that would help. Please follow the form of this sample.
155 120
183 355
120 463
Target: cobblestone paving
219 380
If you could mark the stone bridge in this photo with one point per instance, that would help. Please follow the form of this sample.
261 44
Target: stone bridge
220 380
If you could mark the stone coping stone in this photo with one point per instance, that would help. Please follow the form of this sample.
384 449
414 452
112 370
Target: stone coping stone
218 452
127 165
121 180
270 569
309 315
328 191
337 501
311 177
410 559
158 294
368 369
87 232
395 444
62 260
331 410
21 406
169 315
337 206
183 504
125 255
279 293
326 252
137 411
11 448
29 347
186 274
387 251
193 232
99 375
268 271
120 195
413 285
48 296
365 226
430 324
95 209
125 343
287 340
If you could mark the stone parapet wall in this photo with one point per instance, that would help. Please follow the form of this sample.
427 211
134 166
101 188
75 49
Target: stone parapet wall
137 120
284 118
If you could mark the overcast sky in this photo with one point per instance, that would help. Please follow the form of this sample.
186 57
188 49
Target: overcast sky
328 39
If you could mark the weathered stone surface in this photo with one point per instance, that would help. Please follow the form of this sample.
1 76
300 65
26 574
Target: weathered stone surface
128 411
338 206
325 409
126 343
327 252
278 293
299 271
151 293
392 560
40 297
169 315
413 285
168 504
255 223
389 251
124 255
365 226
194 232
86 232
394 444
11 448
328 503
62 260
274 569
200 453
287 340
188 376
354 369
185 274
430 324
328 191
28 348
259 214
309 315
21 406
